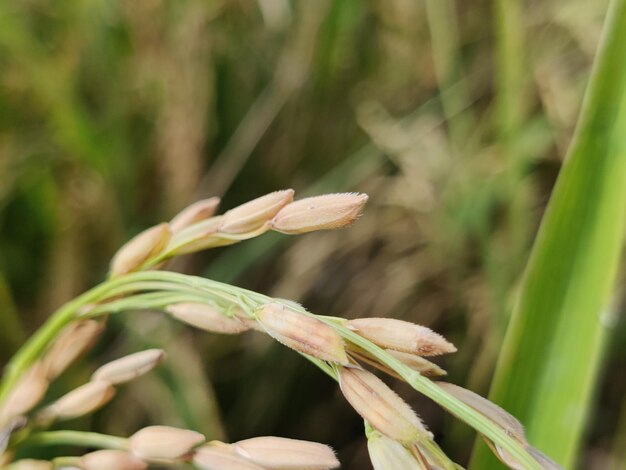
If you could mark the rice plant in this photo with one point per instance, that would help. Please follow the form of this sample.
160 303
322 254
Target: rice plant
340 348
458 119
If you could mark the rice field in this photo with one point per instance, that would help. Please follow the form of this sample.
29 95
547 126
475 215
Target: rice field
488 138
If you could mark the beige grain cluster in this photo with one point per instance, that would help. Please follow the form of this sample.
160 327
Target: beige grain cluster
265 453
197 228
398 436
167 445
164 445
399 433
173 447
101 388
71 343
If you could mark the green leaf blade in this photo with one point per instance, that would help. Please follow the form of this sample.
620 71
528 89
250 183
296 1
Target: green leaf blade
553 346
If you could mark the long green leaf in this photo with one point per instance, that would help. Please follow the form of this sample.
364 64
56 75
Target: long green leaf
553 346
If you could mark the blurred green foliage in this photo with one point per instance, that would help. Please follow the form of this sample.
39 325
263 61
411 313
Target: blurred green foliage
114 115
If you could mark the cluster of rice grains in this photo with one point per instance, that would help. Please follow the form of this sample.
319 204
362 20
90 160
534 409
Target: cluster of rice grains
397 439
167 447
196 228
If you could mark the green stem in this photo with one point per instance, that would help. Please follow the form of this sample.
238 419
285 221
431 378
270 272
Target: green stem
77 438
122 285
37 343
152 300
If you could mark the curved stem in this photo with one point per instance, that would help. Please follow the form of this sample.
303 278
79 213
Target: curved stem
37 343
152 300
77 438
119 286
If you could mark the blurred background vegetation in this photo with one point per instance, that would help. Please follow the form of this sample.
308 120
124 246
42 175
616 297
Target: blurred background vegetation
453 116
